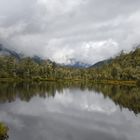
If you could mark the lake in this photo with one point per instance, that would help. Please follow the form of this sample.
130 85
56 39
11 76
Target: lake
70 111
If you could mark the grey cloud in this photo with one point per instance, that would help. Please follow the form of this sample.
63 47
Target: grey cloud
59 29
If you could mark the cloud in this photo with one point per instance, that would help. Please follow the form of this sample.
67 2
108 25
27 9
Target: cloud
85 30
89 52
59 7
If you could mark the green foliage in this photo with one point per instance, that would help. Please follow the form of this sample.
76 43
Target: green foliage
123 67
3 132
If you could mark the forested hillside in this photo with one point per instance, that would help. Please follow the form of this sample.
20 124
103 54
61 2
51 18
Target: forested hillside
123 67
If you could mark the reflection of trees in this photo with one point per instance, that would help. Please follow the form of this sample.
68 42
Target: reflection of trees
25 91
124 96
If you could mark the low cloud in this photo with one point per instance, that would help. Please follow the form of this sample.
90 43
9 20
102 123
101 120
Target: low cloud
89 52
84 30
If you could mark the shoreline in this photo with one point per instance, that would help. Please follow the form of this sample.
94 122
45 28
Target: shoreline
111 82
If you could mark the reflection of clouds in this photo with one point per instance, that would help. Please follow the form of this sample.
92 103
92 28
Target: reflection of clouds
76 112
98 108
88 101
11 119
68 102
73 100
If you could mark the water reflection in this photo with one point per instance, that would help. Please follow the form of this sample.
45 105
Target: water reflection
124 96
70 111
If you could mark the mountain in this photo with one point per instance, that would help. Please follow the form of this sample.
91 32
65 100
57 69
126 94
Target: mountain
76 64
101 63
125 67
7 52
37 59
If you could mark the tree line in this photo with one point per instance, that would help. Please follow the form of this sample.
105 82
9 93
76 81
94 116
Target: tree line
123 67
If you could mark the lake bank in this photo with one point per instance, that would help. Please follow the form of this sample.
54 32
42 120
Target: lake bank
112 82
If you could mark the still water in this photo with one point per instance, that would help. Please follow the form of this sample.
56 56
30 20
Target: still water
70 111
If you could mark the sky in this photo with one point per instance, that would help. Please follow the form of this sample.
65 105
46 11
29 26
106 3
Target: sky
61 30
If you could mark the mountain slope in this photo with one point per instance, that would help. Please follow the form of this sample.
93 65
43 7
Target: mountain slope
76 64
123 67
101 63
7 52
